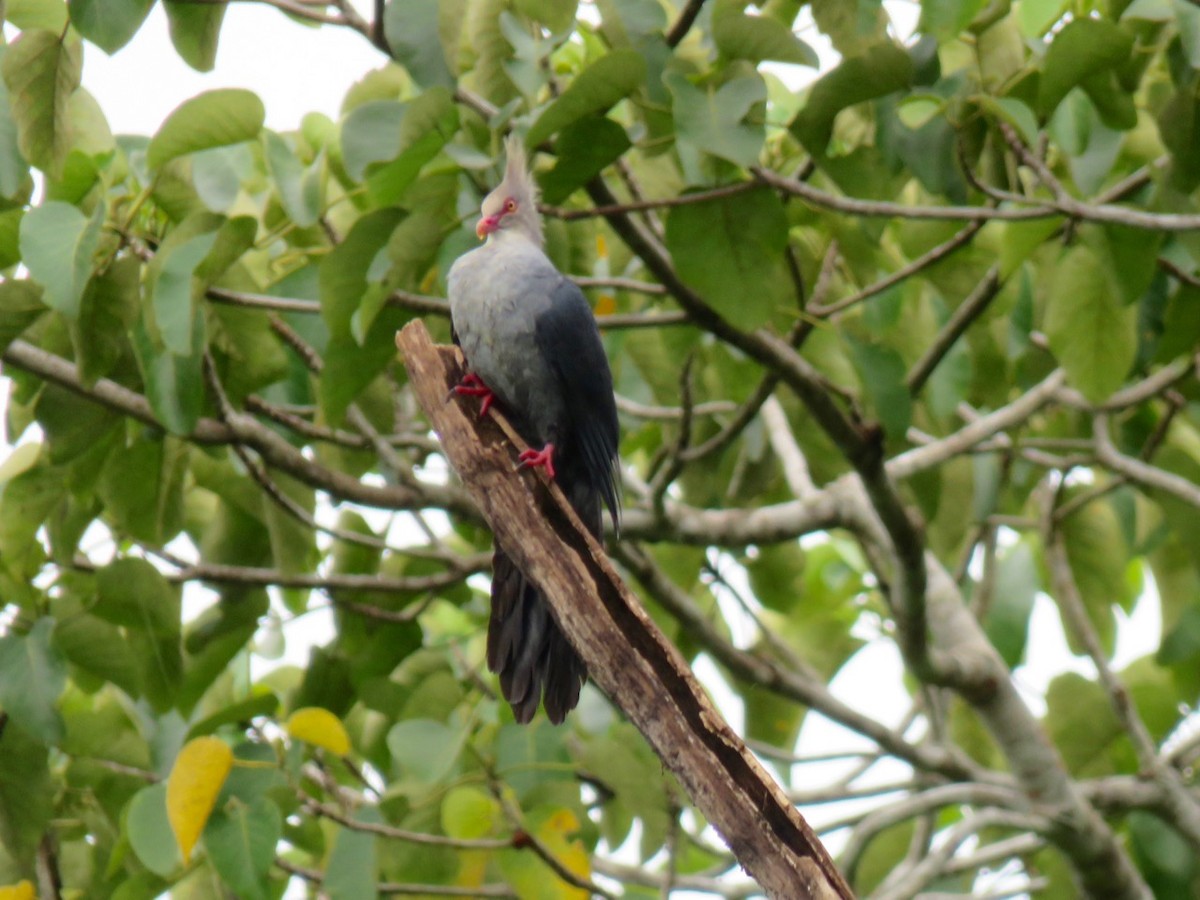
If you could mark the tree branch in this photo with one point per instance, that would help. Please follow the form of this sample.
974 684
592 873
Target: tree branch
678 31
627 655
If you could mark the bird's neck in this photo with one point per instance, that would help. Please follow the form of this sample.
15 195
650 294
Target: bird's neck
521 233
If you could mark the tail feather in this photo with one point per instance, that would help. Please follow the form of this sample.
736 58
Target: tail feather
525 646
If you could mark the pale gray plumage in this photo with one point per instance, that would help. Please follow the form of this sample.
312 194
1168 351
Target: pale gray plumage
528 333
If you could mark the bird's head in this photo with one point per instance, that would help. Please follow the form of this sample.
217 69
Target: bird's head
513 203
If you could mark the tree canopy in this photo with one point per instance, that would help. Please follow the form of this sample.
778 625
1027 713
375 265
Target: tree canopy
900 354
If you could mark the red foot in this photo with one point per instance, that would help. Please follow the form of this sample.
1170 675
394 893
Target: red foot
472 386
543 457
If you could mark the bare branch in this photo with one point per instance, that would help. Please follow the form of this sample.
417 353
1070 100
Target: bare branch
678 31
966 313
924 261
625 653
238 429
1098 212
1182 807
1139 472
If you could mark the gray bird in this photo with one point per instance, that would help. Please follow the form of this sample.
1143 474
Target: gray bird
532 344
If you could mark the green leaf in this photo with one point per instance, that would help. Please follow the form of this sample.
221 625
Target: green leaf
149 831
42 72
371 134
582 151
879 71
1155 695
240 840
344 271
14 170
468 812
110 306
483 33
851 25
881 856
32 677
10 236
1163 855
429 122
299 193
1014 590
1090 332
142 488
770 717
26 794
174 383
1080 721
195 30
718 120
1020 117
57 244
757 38
160 657
1036 16
1187 20
215 118
425 750
1084 48
557 15
918 110
1179 125
132 593
608 80
29 14
731 250
1097 554
109 24
20 305
411 30
624 763
1182 643
946 19
350 873
171 294
98 647
883 372
73 426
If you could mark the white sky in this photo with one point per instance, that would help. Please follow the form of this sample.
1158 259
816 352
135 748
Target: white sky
294 68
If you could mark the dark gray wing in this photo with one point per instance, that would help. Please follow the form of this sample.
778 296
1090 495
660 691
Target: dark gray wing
567 337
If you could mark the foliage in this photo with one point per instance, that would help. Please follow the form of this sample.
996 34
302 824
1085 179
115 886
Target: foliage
901 353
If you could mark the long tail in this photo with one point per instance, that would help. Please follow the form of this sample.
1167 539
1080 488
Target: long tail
525 646
527 650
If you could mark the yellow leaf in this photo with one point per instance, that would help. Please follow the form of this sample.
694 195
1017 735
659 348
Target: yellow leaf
606 305
472 867
192 788
319 727
558 833
22 890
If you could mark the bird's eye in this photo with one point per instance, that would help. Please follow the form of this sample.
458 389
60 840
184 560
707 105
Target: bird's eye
510 205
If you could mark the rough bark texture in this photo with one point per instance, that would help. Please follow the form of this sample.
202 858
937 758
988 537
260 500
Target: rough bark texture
627 656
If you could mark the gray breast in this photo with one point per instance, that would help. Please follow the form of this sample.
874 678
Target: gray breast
496 294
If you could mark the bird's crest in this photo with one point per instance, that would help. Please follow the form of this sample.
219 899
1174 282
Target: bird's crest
517 179
521 186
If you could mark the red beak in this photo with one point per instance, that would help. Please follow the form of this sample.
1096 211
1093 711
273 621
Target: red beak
486 226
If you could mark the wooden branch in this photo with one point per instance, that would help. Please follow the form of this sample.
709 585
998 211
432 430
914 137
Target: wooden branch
626 655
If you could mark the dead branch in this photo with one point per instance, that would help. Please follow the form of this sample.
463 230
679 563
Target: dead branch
626 654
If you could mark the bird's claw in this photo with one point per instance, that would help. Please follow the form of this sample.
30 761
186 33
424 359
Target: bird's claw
472 386
543 458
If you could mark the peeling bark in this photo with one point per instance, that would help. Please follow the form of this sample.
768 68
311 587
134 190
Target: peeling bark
626 654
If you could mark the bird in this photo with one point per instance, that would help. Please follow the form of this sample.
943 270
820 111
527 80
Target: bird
532 346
